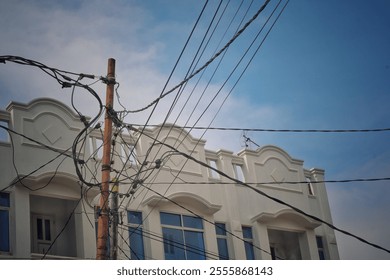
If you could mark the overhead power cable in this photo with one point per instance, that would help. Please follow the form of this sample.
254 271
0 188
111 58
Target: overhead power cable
61 76
273 182
275 130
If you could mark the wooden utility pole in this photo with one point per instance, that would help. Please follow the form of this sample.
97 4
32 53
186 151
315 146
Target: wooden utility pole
103 219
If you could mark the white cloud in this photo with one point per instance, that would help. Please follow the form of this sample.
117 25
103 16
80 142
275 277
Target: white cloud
79 40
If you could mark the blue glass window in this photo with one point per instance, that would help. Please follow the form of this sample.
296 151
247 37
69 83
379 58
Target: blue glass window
192 222
136 235
170 219
4 199
173 244
4 222
183 237
320 245
250 254
220 229
194 245
134 217
247 232
248 242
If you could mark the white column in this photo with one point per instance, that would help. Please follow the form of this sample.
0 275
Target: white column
261 240
21 225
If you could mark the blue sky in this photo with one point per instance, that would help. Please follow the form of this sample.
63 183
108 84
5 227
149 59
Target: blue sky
325 65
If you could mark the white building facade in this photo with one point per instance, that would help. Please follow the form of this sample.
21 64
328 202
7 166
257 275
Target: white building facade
169 205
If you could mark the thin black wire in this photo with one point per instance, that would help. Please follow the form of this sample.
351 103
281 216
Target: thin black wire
58 74
275 183
277 130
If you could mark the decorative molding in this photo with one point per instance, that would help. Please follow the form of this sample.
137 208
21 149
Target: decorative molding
188 198
43 102
289 215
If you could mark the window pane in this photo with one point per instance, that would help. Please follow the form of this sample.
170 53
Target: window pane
134 217
192 222
194 245
239 175
309 186
136 243
99 148
39 229
4 137
173 244
220 229
212 172
47 230
321 255
273 253
170 219
4 199
320 245
247 232
319 242
222 249
4 231
250 255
